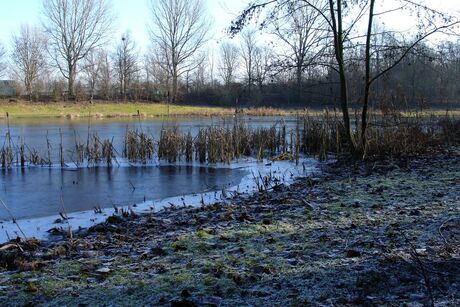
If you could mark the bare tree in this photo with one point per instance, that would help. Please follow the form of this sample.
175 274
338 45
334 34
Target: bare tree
104 83
92 68
145 66
125 63
198 75
29 56
301 30
248 50
262 64
229 61
75 27
211 68
179 29
157 70
2 60
341 18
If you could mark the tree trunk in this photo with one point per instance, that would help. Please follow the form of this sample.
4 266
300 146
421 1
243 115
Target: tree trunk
344 107
70 91
28 85
367 88
124 87
174 86
249 76
71 81
338 48
299 82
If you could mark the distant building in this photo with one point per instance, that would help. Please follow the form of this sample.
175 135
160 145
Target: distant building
8 88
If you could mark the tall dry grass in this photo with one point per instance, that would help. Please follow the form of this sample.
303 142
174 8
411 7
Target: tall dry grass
312 135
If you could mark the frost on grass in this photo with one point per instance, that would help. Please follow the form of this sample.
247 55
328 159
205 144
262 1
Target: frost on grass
376 234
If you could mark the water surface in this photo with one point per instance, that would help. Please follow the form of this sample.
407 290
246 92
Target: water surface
37 191
34 192
37 132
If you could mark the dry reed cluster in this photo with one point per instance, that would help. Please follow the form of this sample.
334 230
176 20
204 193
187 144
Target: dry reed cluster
138 146
313 135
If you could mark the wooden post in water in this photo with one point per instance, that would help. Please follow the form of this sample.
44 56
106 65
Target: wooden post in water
48 145
61 150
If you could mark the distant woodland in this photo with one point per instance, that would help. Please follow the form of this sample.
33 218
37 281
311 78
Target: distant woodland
278 53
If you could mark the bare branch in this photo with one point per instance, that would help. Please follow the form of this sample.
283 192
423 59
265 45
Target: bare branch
2 59
178 31
75 27
410 47
228 62
29 56
126 63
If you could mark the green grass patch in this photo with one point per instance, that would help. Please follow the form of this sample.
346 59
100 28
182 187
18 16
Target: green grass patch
106 109
21 109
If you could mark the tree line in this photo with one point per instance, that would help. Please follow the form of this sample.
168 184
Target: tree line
279 52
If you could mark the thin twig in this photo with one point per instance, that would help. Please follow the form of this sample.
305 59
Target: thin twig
66 217
14 219
423 271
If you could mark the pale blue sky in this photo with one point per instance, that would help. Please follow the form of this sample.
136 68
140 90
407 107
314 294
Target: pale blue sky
130 15
134 15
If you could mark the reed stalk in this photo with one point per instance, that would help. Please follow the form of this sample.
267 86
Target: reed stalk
13 219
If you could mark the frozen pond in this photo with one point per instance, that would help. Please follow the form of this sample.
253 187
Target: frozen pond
36 191
35 132
37 194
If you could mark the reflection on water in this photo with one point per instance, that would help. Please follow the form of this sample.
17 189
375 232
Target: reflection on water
35 191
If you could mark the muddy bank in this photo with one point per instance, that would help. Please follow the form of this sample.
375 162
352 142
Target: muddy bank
385 232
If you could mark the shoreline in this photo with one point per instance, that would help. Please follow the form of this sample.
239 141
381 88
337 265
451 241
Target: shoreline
141 110
381 232
108 110
40 227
